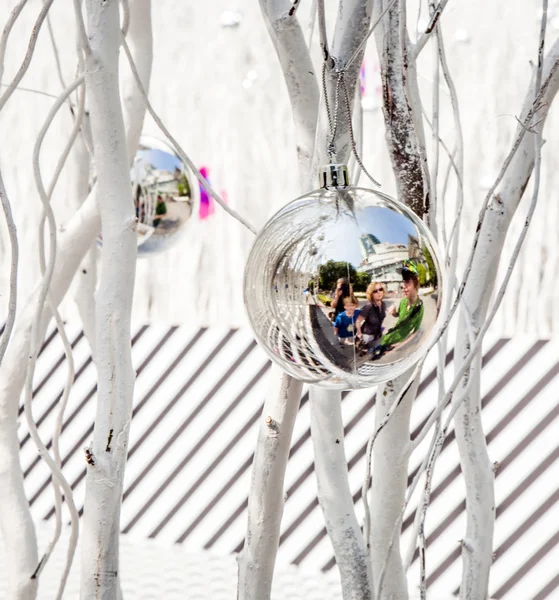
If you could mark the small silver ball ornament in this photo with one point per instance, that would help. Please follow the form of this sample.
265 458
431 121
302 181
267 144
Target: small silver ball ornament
163 192
343 286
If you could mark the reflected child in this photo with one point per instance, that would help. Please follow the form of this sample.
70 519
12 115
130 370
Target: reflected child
344 324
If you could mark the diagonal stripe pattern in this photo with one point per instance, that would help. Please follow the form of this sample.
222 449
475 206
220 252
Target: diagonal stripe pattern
198 398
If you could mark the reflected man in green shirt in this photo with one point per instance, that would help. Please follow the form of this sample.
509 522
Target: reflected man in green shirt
409 311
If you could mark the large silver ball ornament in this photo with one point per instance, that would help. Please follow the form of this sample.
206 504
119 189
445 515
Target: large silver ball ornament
343 286
163 191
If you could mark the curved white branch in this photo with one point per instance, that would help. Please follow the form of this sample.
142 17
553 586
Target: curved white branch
391 456
266 498
29 54
334 494
6 32
430 28
14 249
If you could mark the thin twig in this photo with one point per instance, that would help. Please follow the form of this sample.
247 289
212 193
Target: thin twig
453 240
24 89
312 22
6 33
125 17
177 147
56 54
327 59
28 55
294 6
83 41
434 171
14 249
420 44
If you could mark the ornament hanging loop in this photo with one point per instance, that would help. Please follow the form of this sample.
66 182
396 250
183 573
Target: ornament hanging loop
333 176
333 119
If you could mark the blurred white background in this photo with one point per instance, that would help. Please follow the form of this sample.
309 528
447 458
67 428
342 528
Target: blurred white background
221 93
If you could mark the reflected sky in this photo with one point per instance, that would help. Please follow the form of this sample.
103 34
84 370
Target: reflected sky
385 224
164 161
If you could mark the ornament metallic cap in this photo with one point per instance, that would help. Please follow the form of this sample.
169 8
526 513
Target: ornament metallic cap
333 176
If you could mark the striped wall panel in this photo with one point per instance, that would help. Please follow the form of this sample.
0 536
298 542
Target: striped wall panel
198 397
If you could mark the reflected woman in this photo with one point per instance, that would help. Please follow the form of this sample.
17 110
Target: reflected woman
369 323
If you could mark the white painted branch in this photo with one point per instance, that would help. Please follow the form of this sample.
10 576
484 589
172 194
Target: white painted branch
404 143
28 55
16 525
334 494
390 466
434 171
107 455
266 498
87 272
139 39
16 11
435 16
14 250
300 77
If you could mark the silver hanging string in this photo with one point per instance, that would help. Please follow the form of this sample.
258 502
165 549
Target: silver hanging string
351 134
332 120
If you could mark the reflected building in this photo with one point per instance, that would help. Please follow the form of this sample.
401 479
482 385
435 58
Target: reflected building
383 260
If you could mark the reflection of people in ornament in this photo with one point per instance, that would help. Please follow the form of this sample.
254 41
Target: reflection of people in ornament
409 312
369 323
342 291
344 325
160 209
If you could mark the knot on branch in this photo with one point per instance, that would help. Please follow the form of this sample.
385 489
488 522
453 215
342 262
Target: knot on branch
89 458
108 447
131 223
272 425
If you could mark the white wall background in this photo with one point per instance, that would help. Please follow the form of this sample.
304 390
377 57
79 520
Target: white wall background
245 135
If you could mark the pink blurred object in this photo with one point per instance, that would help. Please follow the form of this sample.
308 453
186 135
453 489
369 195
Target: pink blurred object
206 201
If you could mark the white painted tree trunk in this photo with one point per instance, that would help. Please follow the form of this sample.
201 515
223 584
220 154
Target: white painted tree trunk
334 494
476 465
390 479
106 457
266 498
